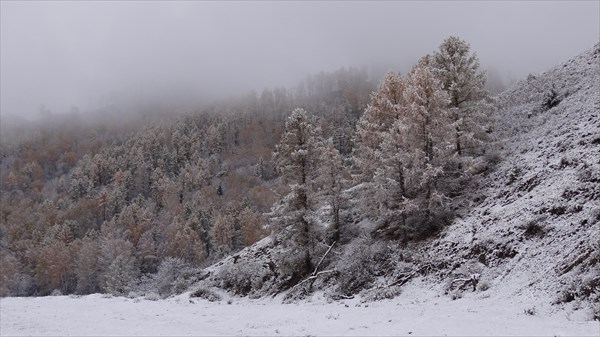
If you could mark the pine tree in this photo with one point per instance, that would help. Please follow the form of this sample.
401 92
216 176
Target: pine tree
252 226
458 70
385 107
115 276
429 135
296 157
87 268
259 169
330 181
222 233
120 274
390 189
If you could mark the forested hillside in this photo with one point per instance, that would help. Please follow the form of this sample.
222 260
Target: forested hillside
95 206
339 184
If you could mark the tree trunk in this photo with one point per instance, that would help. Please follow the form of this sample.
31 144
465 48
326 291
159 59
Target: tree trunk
458 148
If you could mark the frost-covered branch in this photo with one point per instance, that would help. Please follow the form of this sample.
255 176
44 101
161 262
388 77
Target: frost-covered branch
323 258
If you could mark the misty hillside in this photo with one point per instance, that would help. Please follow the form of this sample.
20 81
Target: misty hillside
338 188
530 230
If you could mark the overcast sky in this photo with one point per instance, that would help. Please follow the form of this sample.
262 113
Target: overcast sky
63 54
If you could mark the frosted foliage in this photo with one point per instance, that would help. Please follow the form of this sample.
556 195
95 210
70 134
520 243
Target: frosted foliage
385 107
410 158
296 158
223 232
116 261
120 274
329 182
390 178
86 268
295 154
461 78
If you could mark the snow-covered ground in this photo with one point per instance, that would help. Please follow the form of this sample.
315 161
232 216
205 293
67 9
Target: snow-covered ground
416 312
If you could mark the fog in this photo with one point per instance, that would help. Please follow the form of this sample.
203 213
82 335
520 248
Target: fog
84 54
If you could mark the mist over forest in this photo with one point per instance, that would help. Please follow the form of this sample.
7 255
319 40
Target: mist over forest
66 56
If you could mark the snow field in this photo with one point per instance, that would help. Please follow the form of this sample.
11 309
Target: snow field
415 312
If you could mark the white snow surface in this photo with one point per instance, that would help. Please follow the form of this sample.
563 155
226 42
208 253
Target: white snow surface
417 312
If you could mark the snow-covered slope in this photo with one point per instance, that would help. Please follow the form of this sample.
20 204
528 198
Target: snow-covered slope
537 233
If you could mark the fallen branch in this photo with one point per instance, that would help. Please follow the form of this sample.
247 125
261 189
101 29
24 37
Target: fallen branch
402 279
322 258
314 277
345 296
472 280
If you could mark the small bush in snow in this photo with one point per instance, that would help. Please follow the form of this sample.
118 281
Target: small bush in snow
483 286
361 263
242 278
175 276
456 295
152 297
566 296
297 293
535 227
595 312
551 99
380 293
206 294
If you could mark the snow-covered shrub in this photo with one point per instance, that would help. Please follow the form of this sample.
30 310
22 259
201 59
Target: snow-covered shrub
297 293
22 285
551 99
243 277
175 276
120 274
206 294
152 297
483 286
595 311
380 293
535 227
363 261
456 295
